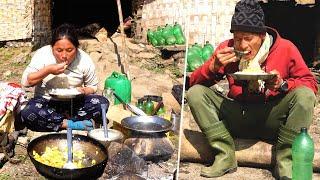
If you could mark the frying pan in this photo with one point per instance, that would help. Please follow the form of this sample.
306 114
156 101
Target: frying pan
91 147
147 124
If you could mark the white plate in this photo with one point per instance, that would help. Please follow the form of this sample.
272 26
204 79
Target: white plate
64 93
252 76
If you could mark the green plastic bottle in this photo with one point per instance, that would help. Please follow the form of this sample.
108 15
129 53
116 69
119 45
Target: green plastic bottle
194 63
162 111
148 106
158 36
180 40
197 48
194 59
302 156
170 40
177 30
167 31
151 37
140 104
207 51
121 86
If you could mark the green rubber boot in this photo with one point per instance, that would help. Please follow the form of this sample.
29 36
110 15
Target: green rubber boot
222 143
283 169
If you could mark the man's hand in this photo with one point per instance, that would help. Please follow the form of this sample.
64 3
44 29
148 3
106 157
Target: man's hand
57 68
222 58
274 83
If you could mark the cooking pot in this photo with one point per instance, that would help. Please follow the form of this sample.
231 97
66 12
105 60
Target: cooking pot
91 148
147 124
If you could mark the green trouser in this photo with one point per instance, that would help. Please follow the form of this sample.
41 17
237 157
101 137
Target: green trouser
254 120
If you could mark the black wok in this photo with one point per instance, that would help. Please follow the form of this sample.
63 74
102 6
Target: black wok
91 147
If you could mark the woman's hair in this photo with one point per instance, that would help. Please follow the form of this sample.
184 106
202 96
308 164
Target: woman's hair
65 31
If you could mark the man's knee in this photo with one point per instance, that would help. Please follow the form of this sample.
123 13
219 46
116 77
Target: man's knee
304 97
195 93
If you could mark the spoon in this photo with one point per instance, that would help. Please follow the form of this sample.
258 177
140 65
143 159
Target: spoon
132 108
104 120
240 53
69 164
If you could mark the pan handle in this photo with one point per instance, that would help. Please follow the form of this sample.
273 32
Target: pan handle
159 105
119 98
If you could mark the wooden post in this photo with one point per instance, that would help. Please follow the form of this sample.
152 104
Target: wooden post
124 64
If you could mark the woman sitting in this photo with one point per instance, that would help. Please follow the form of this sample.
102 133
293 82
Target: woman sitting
62 65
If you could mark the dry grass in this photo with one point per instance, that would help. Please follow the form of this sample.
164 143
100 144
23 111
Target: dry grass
12 62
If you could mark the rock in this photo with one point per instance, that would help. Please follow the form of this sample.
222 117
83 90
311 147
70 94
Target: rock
144 55
151 148
90 45
122 160
7 73
135 48
171 102
102 35
24 140
96 56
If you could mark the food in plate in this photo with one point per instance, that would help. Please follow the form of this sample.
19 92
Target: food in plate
58 158
252 70
65 92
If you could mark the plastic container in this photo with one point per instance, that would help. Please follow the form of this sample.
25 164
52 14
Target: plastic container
177 30
197 48
171 40
167 31
194 59
194 63
180 40
161 112
140 104
302 156
148 106
151 38
121 86
207 51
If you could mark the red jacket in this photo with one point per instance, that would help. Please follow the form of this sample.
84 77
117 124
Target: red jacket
283 57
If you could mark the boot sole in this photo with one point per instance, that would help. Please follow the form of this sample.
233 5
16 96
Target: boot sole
230 170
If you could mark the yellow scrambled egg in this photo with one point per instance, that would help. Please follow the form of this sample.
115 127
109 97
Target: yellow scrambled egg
57 158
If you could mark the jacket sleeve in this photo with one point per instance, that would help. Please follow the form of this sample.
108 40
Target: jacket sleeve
299 73
204 76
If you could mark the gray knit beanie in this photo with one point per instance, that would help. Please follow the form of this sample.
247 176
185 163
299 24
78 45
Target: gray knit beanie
248 16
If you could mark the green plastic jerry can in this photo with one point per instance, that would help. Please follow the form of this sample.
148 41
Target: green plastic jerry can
121 86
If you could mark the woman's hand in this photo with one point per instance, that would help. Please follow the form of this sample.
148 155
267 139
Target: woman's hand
57 68
36 77
222 58
274 83
85 90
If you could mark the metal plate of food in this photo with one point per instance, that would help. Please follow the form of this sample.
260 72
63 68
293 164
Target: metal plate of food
252 76
64 93
147 124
